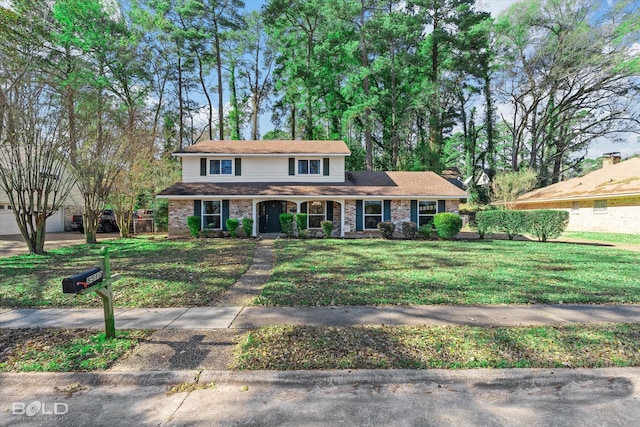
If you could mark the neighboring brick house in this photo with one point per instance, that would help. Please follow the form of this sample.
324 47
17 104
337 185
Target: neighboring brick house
606 200
262 179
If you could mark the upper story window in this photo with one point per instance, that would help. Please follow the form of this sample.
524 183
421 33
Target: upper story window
220 167
372 214
308 167
426 210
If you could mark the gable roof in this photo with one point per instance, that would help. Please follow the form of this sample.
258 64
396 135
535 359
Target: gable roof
266 147
619 180
357 184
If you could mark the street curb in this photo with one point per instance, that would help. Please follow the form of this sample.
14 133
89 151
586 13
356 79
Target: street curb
480 377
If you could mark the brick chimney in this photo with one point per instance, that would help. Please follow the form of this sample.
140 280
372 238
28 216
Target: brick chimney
610 159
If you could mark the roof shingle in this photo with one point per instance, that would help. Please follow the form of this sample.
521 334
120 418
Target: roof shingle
366 183
267 147
621 179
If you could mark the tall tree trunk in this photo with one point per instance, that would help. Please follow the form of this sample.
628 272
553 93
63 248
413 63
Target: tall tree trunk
435 126
293 121
308 126
368 146
488 123
219 69
234 115
205 91
180 104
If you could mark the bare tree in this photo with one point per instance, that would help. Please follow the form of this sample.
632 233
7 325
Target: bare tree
34 168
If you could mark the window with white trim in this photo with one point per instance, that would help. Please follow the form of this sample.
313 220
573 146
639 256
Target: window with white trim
308 167
220 167
372 214
600 207
575 207
212 214
316 213
426 210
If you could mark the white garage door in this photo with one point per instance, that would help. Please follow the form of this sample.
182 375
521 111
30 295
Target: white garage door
8 224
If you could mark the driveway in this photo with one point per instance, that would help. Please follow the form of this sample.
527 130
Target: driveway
15 245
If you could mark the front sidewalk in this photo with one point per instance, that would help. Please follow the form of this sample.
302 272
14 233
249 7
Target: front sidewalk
238 317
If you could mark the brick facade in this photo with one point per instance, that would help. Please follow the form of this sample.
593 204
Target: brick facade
240 208
620 216
179 211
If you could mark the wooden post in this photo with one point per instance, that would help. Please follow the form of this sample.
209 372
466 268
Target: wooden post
102 288
107 296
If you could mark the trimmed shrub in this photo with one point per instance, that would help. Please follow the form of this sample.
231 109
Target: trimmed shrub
508 222
247 226
386 229
410 230
546 223
286 221
447 224
232 226
193 222
327 228
301 221
161 214
426 230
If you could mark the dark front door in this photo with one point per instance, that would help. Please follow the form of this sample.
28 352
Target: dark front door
270 216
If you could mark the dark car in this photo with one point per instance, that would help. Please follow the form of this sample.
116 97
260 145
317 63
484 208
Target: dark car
107 222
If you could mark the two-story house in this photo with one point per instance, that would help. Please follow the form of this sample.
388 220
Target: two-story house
262 179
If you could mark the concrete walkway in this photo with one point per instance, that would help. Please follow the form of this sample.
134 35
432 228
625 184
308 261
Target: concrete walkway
239 317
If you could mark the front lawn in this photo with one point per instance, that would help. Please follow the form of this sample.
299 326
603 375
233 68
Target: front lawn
365 272
631 239
447 347
155 273
63 350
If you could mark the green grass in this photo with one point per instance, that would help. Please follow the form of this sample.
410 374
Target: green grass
64 350
631 239
155 273
449 347
365 272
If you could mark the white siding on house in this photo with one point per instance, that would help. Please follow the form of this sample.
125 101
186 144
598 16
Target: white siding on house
263 169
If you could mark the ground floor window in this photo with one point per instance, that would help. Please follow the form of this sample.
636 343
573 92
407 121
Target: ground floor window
316 213
372 214
212 214
426 210
600 207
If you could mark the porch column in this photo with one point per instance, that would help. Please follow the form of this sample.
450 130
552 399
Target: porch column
342 218
255 218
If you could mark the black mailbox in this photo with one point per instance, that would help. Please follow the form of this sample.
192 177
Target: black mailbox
81 281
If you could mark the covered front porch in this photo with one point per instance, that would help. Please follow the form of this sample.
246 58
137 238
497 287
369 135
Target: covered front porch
266 214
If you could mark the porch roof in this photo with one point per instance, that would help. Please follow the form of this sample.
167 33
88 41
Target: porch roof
357 184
